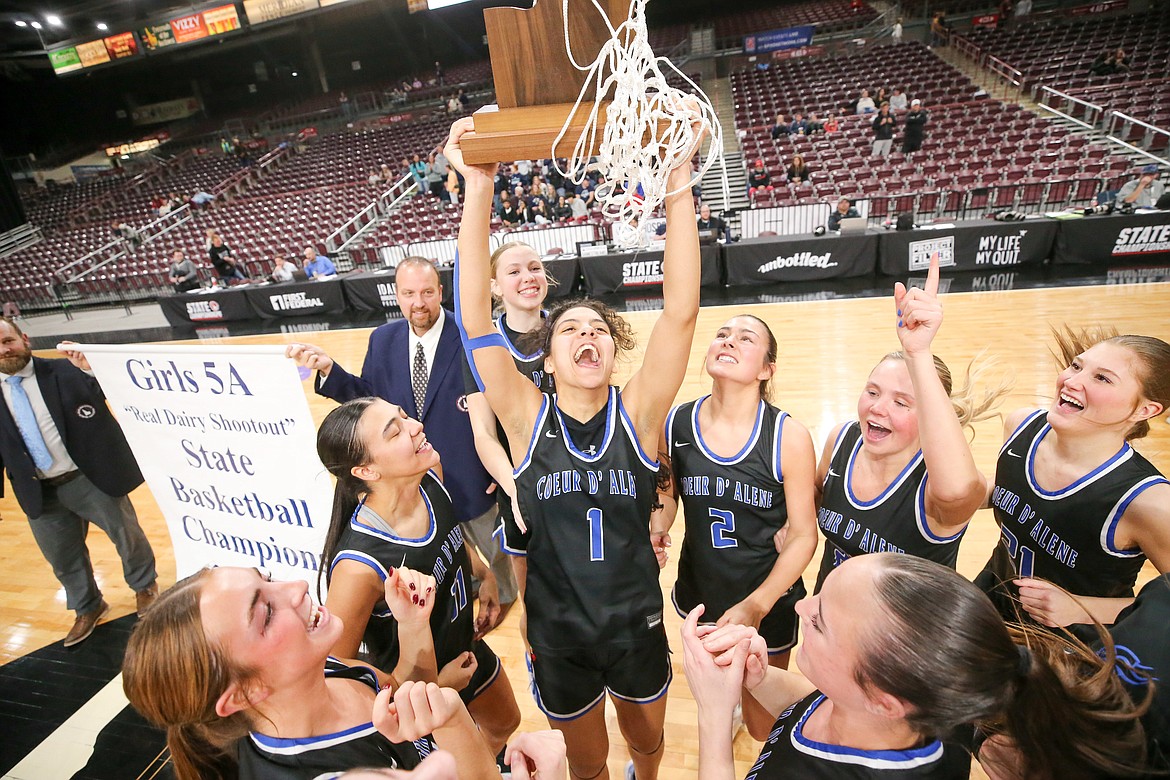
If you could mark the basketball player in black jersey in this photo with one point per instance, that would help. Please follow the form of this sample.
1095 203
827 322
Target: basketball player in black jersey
743 470
586 484
520 283
236 668
1079 509
902 478
900 656
390 510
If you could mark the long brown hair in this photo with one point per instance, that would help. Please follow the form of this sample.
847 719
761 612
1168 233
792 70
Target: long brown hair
340 448
619 329
937 643
1153 356
174 676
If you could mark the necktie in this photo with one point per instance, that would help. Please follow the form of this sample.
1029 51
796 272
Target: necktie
26 421
418 378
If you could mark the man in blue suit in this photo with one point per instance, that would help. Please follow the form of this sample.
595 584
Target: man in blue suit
418 363
70 465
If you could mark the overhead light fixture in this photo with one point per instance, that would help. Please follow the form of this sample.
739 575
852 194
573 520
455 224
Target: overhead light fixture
103 26
21 23
294 73
35 25
54 20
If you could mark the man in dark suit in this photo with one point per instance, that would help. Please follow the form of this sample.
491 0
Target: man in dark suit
418 364
70 465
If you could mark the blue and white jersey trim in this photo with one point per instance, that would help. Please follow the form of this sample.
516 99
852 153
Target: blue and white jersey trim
874 759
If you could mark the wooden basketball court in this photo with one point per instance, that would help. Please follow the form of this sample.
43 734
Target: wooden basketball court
827 348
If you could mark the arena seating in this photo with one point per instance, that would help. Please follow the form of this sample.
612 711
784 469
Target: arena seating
971 141
827 15
1059 55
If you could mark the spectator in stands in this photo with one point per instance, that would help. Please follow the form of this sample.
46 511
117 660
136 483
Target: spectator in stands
915 127
386 174
127 234
508 213
463 98
1144 191
815 126
183 275
1104 65
896 31
453 104
798 172
439 77
202 199
542 188
282 268
831 124
799 125
416 84
318 266
577 204
517 178
540 212
884 125
1121 61
453 185
375 176
898 100
938 30
346 107
865 104
759 178
1023 8
716 225
226 266
562 210
435 178
588 192
882 96
844 210
418 169
780 128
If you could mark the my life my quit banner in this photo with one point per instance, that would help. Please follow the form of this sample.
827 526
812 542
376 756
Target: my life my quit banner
228 447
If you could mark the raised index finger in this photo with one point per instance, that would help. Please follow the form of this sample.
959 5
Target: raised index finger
932 275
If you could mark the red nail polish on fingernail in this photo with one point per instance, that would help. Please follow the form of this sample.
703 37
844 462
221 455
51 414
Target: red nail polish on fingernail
412 586
422 603
391 572
414 599
386 687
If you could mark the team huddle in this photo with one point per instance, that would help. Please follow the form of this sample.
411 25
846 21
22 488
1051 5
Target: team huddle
907 668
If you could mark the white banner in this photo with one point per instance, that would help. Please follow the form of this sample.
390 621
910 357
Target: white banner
228 447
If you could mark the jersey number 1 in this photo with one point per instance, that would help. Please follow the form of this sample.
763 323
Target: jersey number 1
596 535
1027 559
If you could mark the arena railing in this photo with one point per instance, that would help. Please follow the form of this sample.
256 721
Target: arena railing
976 202
1122 128
351 232
1074 109
1012 79
19 238
543 239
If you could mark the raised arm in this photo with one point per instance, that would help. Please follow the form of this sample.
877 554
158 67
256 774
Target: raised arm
651 390
956 488
513 398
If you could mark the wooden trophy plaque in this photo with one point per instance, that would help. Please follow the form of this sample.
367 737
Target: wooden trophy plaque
536 84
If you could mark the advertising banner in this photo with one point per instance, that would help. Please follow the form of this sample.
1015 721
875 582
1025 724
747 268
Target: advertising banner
64 60
156 36
121 45
260 11
93 53
189 28
227 444
774 40
221 20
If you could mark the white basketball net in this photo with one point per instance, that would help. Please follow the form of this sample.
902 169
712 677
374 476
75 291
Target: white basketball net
646 130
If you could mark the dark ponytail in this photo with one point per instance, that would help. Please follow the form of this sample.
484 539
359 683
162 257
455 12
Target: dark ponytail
940 646
340 448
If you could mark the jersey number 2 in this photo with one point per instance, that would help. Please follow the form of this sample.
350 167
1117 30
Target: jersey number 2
722 528
1027 559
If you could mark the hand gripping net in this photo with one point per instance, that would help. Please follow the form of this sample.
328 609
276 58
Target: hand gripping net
647 129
